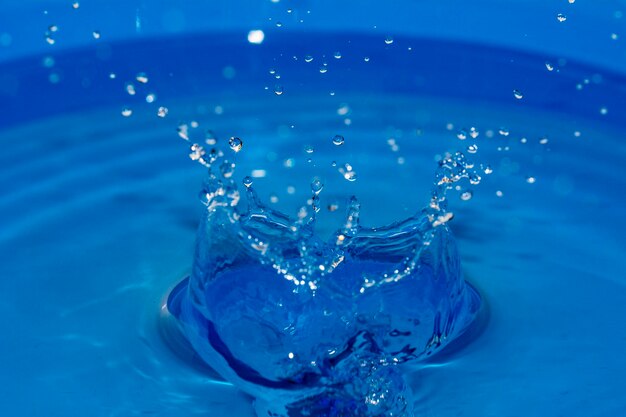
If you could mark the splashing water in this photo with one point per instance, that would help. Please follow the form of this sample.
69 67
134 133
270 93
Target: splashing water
320 328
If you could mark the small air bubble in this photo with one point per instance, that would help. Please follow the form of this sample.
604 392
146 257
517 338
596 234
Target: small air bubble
142 78
338 140
466 195
518 94
235 144
162 111
126 112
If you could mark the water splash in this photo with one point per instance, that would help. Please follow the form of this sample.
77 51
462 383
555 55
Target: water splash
314 327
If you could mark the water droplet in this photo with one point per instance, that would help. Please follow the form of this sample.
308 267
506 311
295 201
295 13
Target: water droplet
338 140
247 181
473 132
466 195
316 186
142 78
75 5
279 24
235 144
561 17
366 59
549 66
96 34
162 111
308 58
472 148
126 112
278 90
614 36
543 140
504 131
210 138
337 55
461 134
50 40
308 149
388 40
196 153
227 169
499 193
151 98
273 198
323 69
604 111
53 28
48 62
183 131
348 172
518 94
571 1
531 180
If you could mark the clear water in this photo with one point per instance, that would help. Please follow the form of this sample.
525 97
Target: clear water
99 213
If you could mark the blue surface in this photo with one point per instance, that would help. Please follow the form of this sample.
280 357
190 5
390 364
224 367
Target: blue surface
98 211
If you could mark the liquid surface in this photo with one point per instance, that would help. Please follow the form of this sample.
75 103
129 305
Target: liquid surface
99 215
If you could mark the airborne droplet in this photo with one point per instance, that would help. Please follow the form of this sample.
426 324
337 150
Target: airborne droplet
236 144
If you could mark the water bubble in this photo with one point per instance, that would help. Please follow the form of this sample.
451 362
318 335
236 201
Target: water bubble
130 89
247 181
388 40
112 76
473 132
308 149
337 55
235 144
210 138
50 40
75 5
518 94
338 140
561 17
366 59
126 112
308 58
333 207
273 198
162 111
183 131
466 195
488 170
53 28
278 90
256 36
348 172
499 193
475 179
531 180
279 24
324 69
227 169
96 34
571 1
142 78
151 98
316 186
472 148
543 140
461 134
504 131
196 152
549 66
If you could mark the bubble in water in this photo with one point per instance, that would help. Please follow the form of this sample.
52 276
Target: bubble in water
337 55
53 28
308 58
549 66
488 170
504 131
278 90
142 78
75 5
518 94
210 138
96 34
50 40
543 140
126 112
499 193
227 169
571 1
236 144
348 172
196 152
323 69
162 111
461 134
151 98
466 195
308 149
472 148
247 181
614 36
561 17
338 140
366 59
388 40
316 186
531 180
473 132
130 89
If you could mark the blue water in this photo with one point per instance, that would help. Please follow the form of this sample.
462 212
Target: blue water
99 212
